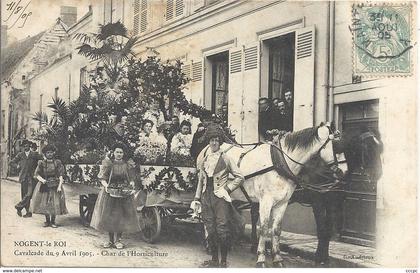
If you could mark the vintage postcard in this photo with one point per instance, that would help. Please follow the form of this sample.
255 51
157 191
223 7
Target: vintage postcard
209 134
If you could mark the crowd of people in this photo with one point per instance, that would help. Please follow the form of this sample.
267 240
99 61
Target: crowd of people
275 114
171 141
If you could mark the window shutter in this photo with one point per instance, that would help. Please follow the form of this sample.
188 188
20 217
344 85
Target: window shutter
251 92
179 8
169 10
174 9
143 16
186 69
303 109
235 115
136 22
197 71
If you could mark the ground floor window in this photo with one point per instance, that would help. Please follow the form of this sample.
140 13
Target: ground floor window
220 83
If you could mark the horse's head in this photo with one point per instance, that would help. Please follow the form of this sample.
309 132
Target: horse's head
330 152
326 136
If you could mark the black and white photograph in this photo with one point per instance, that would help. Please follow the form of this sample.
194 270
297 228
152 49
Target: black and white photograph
208 134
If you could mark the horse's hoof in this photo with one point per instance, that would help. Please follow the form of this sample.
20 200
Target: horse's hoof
278 265
260 265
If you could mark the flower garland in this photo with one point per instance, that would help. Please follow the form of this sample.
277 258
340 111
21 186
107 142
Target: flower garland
164 182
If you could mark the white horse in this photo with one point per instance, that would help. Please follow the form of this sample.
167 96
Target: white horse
270 189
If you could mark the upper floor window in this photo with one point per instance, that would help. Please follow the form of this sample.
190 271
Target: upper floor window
140 16
174 9
113 11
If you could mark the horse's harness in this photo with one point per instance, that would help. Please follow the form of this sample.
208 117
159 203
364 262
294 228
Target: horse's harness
285 170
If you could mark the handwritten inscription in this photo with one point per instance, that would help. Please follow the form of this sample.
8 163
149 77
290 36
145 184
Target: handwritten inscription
17 14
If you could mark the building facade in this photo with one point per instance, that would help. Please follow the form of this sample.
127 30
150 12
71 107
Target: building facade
235 52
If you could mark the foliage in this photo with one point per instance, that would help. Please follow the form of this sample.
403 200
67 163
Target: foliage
111 45
112 105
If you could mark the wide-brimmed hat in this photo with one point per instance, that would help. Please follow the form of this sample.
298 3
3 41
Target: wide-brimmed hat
49 147
214 130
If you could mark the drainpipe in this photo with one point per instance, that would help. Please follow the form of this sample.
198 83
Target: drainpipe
330 49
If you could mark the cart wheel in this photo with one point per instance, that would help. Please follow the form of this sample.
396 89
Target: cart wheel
151 224
86 206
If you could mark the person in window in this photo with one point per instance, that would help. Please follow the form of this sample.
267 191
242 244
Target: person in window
111 214
288 97
213 196
181 142
27 161
48 197
224 114
265 119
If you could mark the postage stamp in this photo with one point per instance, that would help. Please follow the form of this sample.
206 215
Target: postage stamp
382 39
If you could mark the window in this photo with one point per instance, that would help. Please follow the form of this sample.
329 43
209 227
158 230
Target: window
220 83
107 11
140 16
84 77
281 76
174 9
358 119
56 93
40 102
3 117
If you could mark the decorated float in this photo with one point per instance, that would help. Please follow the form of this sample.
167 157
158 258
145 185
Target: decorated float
120 97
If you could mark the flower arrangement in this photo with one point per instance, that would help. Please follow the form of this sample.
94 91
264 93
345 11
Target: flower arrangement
150 150
87 157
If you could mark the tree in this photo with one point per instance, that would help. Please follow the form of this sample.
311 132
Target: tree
111 45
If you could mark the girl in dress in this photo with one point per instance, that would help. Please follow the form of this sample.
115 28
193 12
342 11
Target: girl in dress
115 215
48 198
181 142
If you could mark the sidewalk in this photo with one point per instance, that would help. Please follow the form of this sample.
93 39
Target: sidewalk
341 254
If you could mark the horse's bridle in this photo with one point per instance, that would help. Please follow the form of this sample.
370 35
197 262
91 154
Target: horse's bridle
332 135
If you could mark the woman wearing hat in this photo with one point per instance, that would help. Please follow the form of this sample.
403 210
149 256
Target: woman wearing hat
115 214
48 197
212 194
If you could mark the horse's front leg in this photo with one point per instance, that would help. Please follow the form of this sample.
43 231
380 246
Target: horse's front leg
265 232
277 213
254 219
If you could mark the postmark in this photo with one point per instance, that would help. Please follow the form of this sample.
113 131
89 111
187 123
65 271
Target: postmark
382 39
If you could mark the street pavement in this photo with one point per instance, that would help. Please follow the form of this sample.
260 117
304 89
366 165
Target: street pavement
73 244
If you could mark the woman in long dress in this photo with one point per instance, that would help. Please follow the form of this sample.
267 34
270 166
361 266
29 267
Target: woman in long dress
48 197
115 215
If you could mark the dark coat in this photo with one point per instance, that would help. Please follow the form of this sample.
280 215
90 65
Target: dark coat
27 164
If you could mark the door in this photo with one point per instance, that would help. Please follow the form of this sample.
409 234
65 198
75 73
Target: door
359 218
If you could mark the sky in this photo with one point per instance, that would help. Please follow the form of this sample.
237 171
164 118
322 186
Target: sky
38 16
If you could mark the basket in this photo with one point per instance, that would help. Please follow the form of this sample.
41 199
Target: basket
120 192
